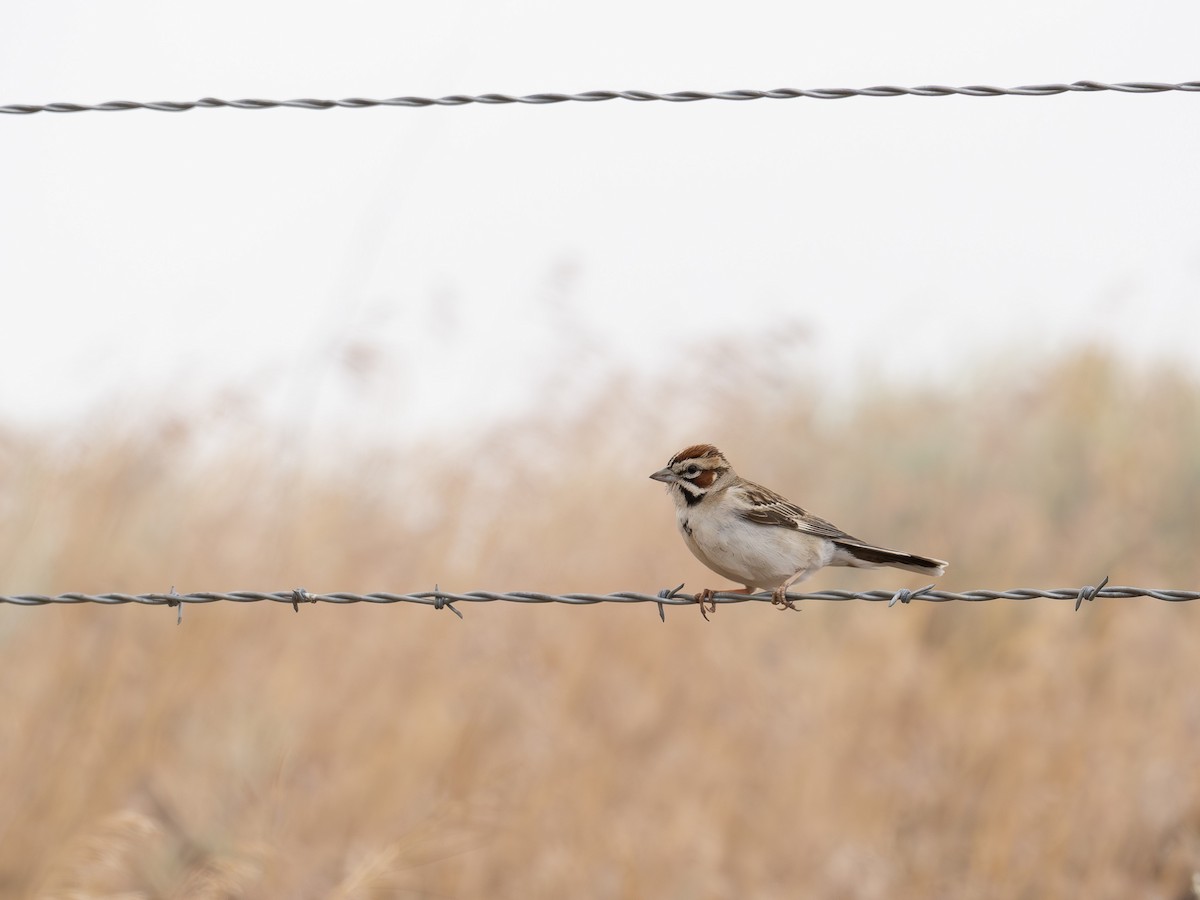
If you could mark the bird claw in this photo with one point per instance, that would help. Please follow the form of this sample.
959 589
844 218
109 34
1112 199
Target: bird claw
706 601
779 598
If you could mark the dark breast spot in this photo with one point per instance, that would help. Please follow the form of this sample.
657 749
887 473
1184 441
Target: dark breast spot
687 529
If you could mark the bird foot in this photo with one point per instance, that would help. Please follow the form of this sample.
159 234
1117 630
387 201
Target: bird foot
706 601
779 598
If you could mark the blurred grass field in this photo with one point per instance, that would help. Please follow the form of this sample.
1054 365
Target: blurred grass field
960 751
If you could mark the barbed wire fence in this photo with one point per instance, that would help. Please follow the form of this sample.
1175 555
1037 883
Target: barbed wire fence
440 599
549 98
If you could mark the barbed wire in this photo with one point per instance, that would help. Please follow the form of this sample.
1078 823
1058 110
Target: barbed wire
440 599
543 99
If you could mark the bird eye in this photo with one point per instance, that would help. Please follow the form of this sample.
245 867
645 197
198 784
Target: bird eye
693 470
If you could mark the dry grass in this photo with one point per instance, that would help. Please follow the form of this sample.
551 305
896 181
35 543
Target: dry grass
996 750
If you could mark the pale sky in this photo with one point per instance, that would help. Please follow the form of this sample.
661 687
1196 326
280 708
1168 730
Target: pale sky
144 253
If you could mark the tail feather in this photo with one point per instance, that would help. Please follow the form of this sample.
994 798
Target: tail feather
866 556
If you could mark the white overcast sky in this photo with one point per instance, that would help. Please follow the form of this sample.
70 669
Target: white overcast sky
218 250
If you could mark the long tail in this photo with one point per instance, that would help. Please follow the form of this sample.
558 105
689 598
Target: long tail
864 556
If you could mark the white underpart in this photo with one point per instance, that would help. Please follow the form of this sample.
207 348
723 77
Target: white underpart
759 556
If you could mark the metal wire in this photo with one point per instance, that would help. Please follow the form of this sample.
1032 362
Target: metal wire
928 90
671 597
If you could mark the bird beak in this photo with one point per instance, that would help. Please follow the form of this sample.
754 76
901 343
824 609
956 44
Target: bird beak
665 475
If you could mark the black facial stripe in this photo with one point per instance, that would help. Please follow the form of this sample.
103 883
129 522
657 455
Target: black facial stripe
691 493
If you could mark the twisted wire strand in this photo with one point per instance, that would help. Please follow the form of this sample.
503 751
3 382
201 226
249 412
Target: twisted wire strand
543 99
439 599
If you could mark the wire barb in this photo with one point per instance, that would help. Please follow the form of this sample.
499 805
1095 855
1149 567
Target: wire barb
440 602
547 98
904 595
1089 593
667 594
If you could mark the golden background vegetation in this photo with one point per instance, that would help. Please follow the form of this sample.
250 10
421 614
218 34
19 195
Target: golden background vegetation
1001 749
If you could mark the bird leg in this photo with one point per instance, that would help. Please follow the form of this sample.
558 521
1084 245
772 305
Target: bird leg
779 596
708 604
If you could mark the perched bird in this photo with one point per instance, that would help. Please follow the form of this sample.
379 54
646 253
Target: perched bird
750 534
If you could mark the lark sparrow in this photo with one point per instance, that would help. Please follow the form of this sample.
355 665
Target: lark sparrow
747 533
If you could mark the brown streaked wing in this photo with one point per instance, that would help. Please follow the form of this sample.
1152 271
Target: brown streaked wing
769 508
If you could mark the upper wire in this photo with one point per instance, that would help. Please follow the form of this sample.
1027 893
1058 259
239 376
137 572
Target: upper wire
543 99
